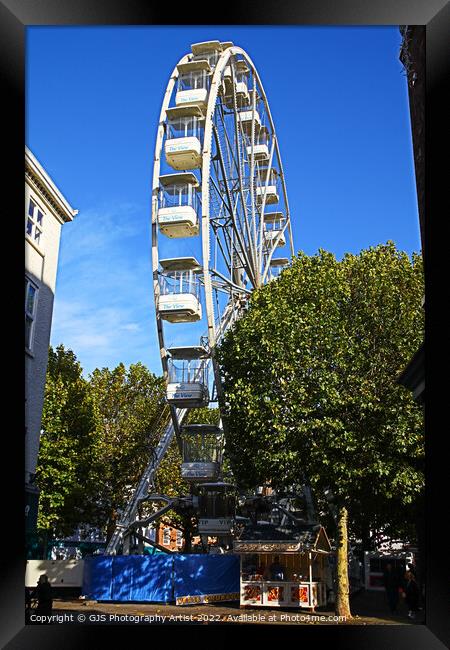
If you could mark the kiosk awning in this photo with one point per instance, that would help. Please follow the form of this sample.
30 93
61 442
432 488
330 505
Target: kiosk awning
289 539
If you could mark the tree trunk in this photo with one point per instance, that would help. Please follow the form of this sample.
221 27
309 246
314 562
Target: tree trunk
342 584
187 534
111 525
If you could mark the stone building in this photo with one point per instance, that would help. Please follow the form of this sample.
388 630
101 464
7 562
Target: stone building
46 210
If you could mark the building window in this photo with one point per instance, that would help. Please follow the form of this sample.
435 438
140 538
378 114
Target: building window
179 539
166 537
34 222
31 292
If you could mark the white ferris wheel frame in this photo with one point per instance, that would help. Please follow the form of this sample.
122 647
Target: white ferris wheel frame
213 332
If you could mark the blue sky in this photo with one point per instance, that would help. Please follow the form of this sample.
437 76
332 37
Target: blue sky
339 100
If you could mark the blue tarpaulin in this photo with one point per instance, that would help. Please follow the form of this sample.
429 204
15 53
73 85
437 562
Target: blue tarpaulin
199 575
159 578
129 578
97 577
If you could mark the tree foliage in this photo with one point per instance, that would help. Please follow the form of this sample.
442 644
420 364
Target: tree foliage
310 384
67 446
98 436
128 405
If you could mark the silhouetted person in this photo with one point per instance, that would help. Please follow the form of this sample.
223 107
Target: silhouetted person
411 594
391 584
43 593
412 568
276 570
27 604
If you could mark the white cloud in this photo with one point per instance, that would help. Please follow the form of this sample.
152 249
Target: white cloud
131 327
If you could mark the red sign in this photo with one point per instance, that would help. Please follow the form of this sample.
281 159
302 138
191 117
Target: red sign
299 594
252 593
275 594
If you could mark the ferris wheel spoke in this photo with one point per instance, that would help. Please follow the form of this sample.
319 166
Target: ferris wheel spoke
252 174
241 251
250 247
272 251
226 254
263 204
230 284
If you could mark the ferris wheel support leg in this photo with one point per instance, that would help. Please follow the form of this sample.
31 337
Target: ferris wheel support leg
140 541
126 543
178 416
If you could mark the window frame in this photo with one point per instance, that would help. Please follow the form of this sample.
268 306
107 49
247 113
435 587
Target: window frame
36 221
167 535
31 315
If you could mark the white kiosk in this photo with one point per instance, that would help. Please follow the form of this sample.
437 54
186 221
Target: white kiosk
281 568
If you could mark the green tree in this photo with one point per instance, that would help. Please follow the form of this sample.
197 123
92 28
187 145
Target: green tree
98 436
129 409
203 416
310 392
67 445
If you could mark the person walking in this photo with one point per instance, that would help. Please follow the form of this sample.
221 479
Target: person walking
391 584
411 594
43 593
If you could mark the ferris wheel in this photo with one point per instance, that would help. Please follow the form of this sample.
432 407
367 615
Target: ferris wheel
221 204
221 227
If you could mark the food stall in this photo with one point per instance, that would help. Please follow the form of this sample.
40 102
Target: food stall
283 567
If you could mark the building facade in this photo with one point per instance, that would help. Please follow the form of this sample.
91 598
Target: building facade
46 210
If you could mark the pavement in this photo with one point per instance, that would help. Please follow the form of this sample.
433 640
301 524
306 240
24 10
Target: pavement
367 607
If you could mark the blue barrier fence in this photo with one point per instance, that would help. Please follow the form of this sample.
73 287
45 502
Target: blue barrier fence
160 578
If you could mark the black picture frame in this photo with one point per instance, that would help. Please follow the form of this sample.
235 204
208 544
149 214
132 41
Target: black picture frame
15 17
